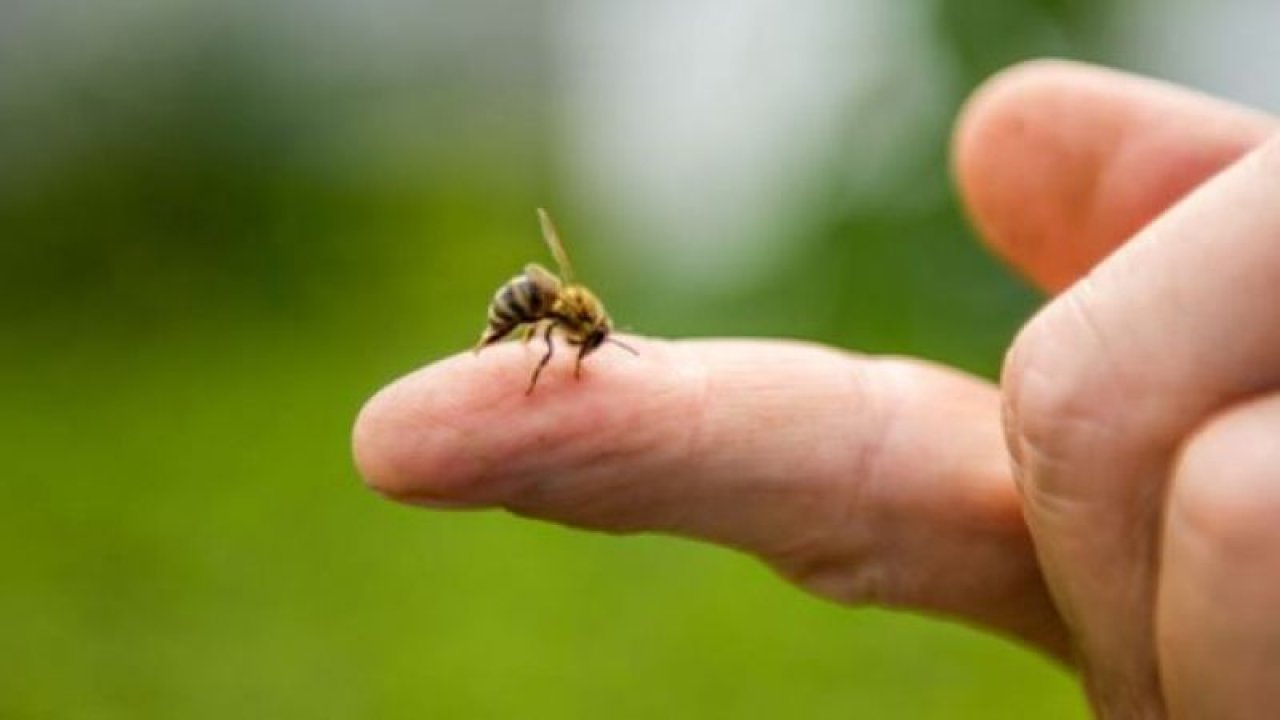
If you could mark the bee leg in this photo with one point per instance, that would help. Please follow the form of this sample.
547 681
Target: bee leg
551 349
577 363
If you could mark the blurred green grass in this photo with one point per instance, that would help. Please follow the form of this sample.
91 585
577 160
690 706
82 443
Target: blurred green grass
205 269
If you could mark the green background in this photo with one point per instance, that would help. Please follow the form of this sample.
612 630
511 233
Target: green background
210 256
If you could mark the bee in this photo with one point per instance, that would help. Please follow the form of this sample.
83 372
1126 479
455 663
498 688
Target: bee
539 301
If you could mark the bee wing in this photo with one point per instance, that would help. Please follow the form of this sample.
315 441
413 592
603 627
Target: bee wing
553 241
543 279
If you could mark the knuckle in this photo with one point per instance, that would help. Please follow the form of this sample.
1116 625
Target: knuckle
1062 393
1226 486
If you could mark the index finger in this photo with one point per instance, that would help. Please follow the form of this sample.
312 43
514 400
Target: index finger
862 479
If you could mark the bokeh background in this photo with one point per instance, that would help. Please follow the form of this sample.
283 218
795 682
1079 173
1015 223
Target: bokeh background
224 224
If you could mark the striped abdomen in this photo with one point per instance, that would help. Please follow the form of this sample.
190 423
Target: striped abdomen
518 302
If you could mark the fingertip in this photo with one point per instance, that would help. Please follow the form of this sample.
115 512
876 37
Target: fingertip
1058 162
997 106
405 442
463 430
386 447
1019 162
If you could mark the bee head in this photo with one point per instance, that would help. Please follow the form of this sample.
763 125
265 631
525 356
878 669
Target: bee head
602 333
596 337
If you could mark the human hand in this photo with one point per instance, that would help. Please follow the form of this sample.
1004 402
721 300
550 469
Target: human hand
1124 517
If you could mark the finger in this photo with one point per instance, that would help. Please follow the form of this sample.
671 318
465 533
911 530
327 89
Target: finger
1059 163
1106 381
863 480
1218 627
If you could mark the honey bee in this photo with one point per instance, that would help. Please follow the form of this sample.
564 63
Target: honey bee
537 300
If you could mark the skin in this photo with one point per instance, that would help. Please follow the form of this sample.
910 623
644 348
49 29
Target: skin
1114 501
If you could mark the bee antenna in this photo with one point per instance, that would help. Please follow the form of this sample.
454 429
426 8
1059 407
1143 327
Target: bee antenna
623 345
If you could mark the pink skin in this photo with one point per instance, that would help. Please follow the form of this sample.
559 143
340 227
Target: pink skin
1115 501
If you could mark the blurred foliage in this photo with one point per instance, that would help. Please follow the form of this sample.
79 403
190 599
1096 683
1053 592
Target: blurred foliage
984 37
221 227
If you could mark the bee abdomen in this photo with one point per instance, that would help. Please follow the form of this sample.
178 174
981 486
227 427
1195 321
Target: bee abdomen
517 302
